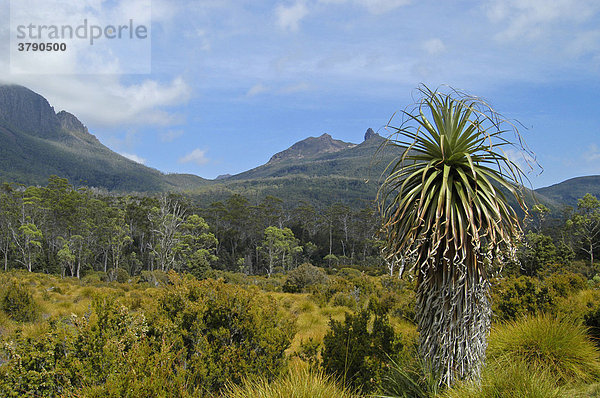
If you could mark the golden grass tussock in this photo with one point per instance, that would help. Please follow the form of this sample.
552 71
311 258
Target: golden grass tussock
299 382
509 380
559 347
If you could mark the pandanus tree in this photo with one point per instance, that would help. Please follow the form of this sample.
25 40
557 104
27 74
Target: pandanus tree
447 218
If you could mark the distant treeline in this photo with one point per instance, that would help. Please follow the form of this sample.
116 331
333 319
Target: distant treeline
62 230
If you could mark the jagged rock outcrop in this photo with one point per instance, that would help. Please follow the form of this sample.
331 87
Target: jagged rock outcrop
23 110
370 134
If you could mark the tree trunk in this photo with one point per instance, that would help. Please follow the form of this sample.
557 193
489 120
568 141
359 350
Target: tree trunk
453 312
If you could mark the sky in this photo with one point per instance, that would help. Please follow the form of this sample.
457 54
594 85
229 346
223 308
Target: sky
225 84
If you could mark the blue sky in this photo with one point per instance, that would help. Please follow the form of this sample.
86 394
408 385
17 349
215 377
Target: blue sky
234 82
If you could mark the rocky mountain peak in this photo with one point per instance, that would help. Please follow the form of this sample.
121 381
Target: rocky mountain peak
311 147
23 110
70 123
370 134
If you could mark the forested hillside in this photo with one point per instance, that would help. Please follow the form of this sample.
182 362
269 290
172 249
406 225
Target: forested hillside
36 142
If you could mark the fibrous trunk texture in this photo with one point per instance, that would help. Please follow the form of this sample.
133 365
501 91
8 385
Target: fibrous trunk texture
453 312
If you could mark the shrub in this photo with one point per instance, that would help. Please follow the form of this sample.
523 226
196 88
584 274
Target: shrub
94 277
297 384
357 354
515 297
17 302
155 278
349 273
565 284
32 367
197 337
592 321
304 276
342 299
578 305
227 332
559 347
118 275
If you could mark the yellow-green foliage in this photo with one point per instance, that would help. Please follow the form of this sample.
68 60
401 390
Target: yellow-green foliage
559 347
509 380
17 302
298 383
186 339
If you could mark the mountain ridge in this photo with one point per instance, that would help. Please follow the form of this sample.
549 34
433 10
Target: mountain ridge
36 142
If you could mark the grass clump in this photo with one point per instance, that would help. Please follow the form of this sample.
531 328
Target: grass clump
507 379
558 346
409 378
297 383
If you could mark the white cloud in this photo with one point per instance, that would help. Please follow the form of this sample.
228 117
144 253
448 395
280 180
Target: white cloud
256 90
376 7
289 17
295 88
532 19
133 157
382 6
203 43
197 156
592 155
171 135
104 101
584 43
434 46
524 160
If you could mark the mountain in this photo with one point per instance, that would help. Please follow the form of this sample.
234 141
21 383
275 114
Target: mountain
311 147
319 170
36 142
569 191
322 156
322 171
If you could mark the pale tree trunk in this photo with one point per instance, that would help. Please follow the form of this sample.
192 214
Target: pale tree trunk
453 311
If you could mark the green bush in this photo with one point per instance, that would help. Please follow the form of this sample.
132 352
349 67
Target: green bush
199 336
514 297
17 302
118 275
94 277
304 276
356 351
342 299
37 367
227 332
155 278
578 305
561 348
565 284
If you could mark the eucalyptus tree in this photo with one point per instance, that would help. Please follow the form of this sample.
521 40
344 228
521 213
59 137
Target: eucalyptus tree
586 223
445 213
166 220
